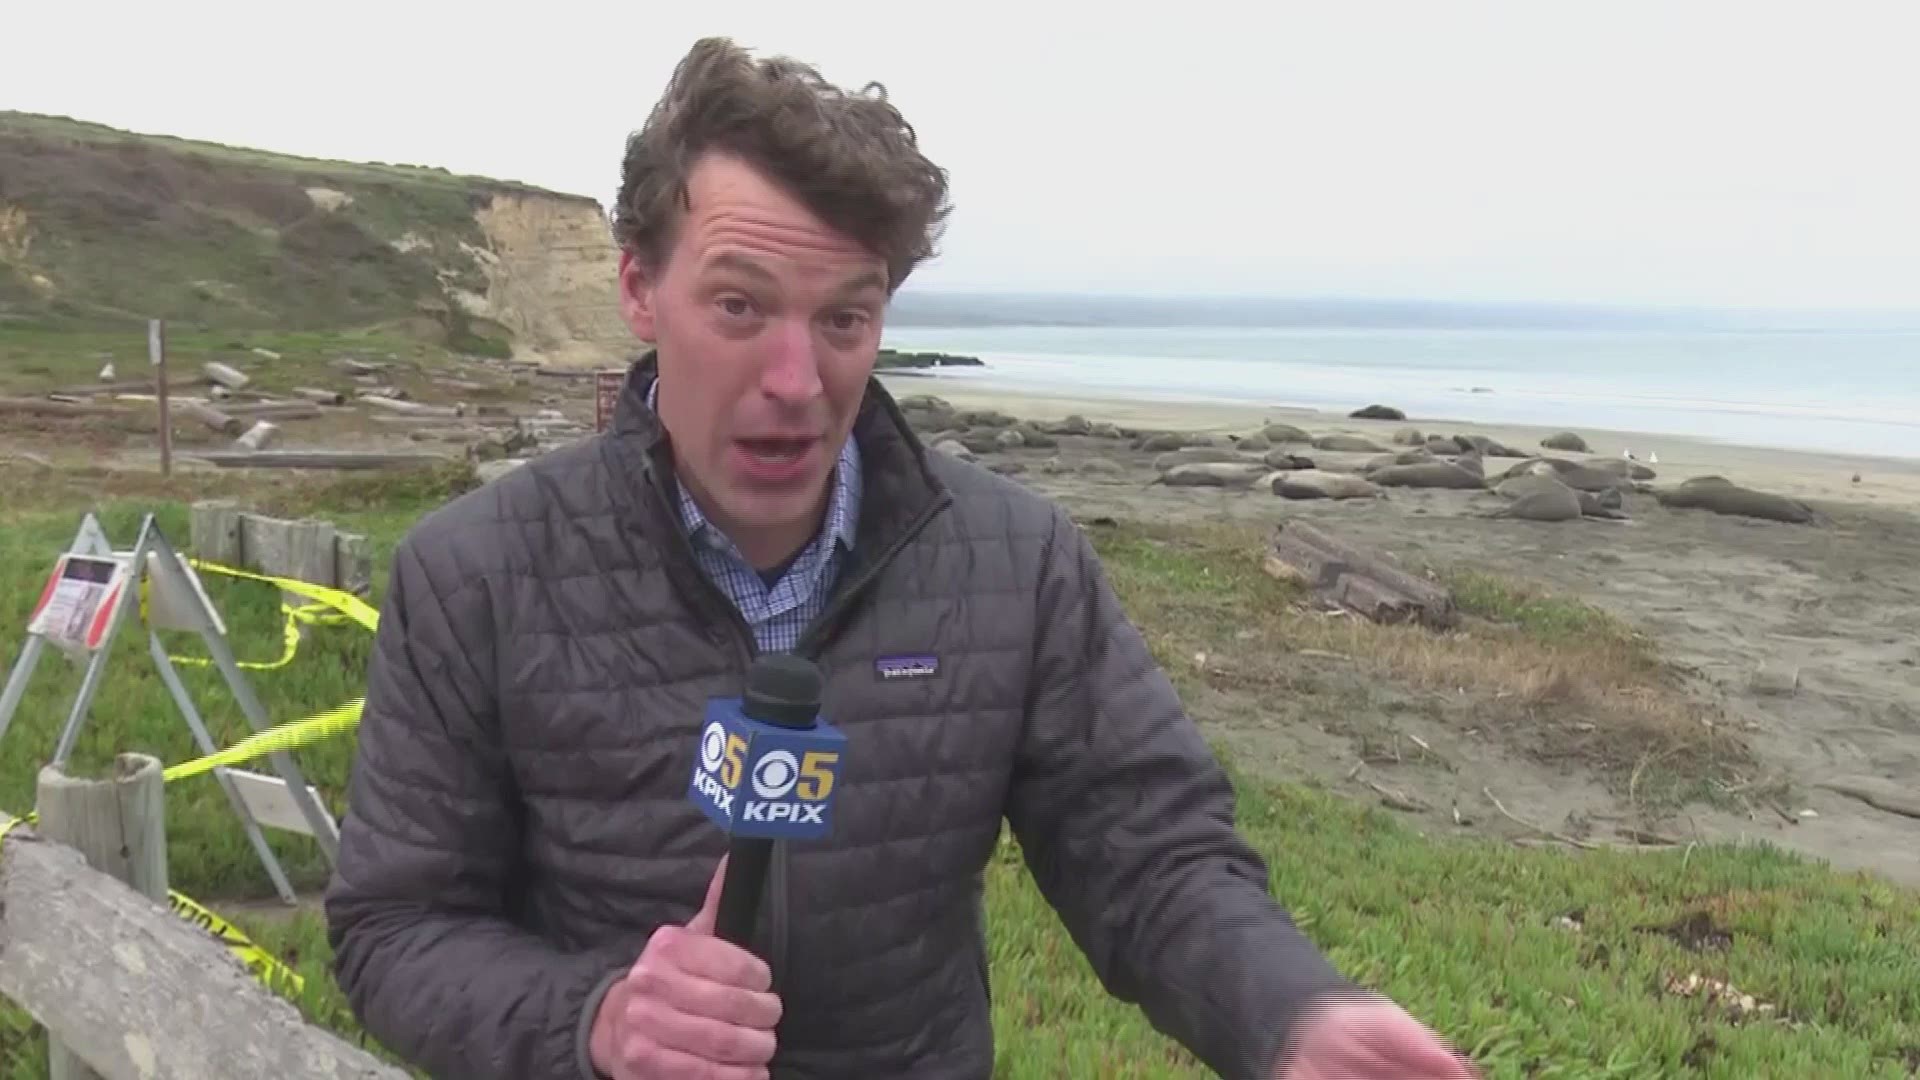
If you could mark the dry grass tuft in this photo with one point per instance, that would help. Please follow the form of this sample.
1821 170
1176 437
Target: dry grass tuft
1559 678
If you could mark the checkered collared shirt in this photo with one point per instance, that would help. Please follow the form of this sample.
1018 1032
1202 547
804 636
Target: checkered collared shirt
779 613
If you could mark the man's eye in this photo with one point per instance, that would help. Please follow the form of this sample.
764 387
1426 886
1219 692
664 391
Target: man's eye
734 305
846 320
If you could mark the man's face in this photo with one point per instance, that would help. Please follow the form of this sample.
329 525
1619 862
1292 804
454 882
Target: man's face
767 323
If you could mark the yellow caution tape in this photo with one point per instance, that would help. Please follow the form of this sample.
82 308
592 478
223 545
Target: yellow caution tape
267 968
291 735
330 607
344 602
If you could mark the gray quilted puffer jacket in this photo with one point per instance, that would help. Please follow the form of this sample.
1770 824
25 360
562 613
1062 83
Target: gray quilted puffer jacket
517 817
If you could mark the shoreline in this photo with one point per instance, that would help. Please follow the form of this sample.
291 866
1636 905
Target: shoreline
1891 482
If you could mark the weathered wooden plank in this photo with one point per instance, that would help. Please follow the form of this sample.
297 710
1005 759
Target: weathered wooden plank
215 532
138 991
319 396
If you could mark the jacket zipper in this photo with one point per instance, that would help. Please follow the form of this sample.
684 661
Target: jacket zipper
812 643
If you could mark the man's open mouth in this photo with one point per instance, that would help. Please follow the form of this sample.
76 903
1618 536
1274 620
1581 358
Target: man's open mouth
777 450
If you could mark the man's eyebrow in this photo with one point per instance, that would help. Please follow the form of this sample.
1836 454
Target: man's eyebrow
740 264
872 279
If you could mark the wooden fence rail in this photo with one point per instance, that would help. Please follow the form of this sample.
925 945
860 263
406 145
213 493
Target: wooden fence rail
126 989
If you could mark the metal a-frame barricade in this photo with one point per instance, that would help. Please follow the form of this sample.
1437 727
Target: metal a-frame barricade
91 570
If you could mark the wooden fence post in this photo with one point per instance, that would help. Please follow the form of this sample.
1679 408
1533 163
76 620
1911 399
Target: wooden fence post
119 825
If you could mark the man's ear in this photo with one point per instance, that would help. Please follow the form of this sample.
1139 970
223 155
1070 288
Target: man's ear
636 296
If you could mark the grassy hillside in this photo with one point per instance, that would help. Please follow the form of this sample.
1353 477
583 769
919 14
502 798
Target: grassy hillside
100 227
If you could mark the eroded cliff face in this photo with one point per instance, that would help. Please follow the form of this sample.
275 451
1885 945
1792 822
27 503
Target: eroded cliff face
101 227
551 267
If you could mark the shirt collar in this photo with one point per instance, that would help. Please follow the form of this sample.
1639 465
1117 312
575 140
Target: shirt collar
843 497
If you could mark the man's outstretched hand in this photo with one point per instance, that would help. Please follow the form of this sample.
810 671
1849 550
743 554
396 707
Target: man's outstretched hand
1369 1038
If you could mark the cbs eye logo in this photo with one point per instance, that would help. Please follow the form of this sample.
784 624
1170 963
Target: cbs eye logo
776 775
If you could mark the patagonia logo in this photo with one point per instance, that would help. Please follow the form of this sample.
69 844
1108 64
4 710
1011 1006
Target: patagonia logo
906 667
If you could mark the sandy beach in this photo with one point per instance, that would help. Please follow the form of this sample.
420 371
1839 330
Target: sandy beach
1800 635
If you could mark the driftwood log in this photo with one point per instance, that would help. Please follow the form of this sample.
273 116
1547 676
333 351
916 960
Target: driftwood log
413 408
1360 581
276 410
52 407
210 416
231 378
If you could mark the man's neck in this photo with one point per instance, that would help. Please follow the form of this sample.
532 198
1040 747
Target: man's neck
764 547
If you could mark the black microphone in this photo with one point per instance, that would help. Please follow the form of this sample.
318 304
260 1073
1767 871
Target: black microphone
765 771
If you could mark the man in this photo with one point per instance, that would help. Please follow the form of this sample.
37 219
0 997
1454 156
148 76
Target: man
523 889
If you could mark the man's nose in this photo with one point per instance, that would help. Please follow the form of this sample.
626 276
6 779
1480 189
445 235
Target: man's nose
792 371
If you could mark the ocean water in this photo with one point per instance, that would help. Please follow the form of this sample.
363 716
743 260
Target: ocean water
1852 392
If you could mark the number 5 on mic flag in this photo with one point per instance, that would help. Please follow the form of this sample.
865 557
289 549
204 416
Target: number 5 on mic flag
762 780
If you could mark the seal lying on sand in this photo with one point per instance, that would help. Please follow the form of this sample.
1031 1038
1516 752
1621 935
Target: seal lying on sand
1280 459
1541 494
1722 496
1285 433
1189 455
1348 444
1317 484
1417 456
1538 498
1480 444
1632 470
1571 473
1230 474
1431 474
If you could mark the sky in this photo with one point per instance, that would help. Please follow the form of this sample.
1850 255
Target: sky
1617 152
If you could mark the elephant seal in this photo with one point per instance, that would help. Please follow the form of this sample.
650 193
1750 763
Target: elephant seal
1228 474
1485 447
1378 412
1632 470
1718 494
1549 501
1318 484
1407 436
1348 444
1193 455
1601 504
1404 457
1431 474
1285 433
1565 440
1571 473
1280 459
1163 440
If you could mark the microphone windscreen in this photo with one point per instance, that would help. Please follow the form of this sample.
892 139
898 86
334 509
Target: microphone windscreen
783 689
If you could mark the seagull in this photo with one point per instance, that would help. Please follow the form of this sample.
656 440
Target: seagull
1653 458
1628 454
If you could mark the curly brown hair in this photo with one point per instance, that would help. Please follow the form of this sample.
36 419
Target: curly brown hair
851 159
